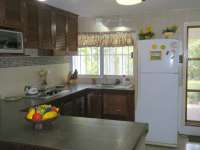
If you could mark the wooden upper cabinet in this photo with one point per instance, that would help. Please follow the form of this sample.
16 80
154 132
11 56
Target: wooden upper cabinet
45 28
50 30
11 13
2 12
31 36
60 32
72 34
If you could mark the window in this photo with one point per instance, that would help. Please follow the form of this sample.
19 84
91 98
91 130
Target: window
193 76
118 60
101 61
88 61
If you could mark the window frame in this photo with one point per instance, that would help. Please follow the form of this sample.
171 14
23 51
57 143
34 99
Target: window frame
102 75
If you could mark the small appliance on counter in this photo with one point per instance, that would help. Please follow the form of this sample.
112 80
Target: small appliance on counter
31 91
11 42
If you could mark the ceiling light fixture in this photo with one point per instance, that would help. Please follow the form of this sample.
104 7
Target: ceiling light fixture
129 2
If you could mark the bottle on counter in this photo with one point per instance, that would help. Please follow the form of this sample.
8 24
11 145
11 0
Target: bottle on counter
123 80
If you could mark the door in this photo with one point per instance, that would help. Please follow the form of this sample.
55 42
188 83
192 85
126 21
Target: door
192 110
72 34
157 106
31 25
95 104
116 106
12 14
60 21
45 27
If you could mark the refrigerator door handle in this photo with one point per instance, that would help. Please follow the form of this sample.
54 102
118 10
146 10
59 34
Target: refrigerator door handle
180 75
180 59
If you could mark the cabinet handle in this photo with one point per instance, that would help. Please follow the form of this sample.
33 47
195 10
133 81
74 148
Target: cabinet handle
118 110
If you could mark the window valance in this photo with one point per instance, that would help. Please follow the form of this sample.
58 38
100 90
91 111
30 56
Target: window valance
109 39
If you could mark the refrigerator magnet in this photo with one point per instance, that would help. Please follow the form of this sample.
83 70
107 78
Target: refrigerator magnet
163 47
154 46
155 55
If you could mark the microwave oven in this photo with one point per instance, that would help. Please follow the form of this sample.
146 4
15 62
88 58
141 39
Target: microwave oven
11 41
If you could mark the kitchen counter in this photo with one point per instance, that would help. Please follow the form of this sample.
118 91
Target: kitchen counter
68 133
71 90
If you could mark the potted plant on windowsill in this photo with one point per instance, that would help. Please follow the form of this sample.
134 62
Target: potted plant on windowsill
169 31
146 34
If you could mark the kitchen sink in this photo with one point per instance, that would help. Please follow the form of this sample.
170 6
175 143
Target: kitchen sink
105 86
112 86
48 93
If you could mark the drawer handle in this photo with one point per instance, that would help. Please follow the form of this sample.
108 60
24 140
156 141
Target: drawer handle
118 110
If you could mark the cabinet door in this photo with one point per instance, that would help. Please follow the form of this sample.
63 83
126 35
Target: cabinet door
31 25
72 35
12 14
95 105
60 33
115 106
73 107
45 27
2 12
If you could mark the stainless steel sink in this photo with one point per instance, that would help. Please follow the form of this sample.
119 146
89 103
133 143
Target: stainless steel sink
49 93
105 86
112 86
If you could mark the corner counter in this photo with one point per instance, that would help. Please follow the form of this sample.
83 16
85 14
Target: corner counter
67 133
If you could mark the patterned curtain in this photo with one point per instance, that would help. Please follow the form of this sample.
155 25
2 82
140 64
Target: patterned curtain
108 39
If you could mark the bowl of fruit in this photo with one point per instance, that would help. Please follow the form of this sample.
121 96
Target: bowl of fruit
42 116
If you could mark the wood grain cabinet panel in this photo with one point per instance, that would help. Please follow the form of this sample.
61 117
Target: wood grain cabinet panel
11 14
115 106
31 30
109 104
45 28
60 32
2 12
72 34
95 105
50 30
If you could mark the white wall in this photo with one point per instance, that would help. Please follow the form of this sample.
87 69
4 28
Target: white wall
158 21
13 80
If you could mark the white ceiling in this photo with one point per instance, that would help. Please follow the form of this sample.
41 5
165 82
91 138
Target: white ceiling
105 8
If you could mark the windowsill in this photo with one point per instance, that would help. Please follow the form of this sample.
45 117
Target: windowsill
193 123
102 77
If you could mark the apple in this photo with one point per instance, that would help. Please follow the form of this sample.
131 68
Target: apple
37 117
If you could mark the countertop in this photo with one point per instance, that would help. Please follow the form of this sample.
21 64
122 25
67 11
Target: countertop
27 102
68 133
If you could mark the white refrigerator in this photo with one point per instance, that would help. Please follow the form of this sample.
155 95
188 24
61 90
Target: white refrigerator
157 102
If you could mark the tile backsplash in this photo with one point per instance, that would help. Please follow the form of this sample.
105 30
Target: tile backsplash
21 61
16 72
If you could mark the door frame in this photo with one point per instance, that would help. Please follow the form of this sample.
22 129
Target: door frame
183 128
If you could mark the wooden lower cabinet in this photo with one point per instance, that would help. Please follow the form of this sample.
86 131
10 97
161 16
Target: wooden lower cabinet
105 104
73 107
94 105
16 146
115 105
